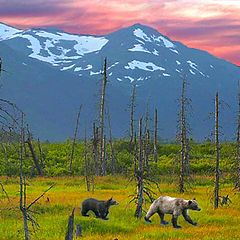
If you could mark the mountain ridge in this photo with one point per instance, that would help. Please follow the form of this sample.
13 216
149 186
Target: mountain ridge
137 55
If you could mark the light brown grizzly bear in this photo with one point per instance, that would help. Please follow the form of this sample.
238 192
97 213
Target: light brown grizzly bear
175 206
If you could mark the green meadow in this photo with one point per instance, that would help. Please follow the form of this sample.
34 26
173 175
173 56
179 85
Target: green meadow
52 211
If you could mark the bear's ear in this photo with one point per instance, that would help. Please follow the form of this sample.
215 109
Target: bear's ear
189 202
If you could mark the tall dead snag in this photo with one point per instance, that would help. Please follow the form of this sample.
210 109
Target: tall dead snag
88 166
237 158
102 118
33 153
132 111
184 165
22 182
74 140
95 141
41 154
139 173
155 152
70 227
147 149
217 149
113 156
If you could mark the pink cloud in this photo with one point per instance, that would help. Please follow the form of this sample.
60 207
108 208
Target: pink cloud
213 26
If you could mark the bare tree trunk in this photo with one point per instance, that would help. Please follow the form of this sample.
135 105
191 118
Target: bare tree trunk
22 182
74 141
70 228
41 154
78 231
183 136
86 164
95 150
132 110
187 158
155 136
113 156
102 117
34 156
147 149
104 163
139 174
217 146
237 159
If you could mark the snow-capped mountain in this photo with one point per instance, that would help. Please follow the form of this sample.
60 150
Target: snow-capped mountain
69 65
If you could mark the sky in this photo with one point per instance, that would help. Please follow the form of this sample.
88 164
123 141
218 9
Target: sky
212 25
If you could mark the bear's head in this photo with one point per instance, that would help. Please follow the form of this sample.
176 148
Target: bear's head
111 202
193 205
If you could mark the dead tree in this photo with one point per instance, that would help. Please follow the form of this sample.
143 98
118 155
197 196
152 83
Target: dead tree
237 158
74 140
184 101
95 141
70 227
155 142
102 118
139 173
4 191
217 149
104 162
113 156
147 149
88 168
78 230
132 111
33 153
41 154
22 182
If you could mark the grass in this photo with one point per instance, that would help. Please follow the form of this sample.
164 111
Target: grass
52 216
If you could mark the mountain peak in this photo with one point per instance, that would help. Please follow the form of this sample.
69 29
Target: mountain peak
7 31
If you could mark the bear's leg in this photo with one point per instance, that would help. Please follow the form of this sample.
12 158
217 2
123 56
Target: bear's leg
84 212
103 214
187 218
174 221
161 215
96 213
152 210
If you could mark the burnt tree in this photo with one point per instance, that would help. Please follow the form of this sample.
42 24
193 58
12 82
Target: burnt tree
140 173
184 158
101 120
155 141
74 141
217 150
132 111
33 153
237 157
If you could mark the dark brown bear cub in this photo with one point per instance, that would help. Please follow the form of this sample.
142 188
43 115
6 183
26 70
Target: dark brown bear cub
99 207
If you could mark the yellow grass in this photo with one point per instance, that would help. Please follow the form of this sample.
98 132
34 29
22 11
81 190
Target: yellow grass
68 193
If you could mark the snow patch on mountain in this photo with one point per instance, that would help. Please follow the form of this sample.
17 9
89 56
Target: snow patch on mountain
194 66
166 42
7 32
130 78
139 33
138 48
143 66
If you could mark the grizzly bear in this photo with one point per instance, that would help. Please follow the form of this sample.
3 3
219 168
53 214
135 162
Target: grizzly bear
175 206
99 207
